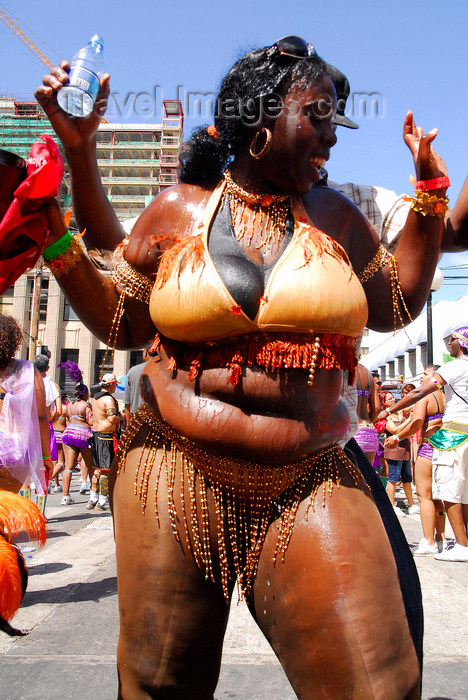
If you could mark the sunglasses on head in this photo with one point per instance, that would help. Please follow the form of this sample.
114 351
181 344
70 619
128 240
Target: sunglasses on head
295 47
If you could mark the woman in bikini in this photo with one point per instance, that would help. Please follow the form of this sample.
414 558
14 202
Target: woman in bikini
427 417
249 275
75 438
367 409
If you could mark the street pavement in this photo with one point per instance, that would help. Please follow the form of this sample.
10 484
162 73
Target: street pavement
70 611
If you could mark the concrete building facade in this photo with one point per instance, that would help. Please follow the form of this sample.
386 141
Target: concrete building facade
136 162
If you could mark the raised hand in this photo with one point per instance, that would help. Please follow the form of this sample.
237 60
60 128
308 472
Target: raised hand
72 131
427 161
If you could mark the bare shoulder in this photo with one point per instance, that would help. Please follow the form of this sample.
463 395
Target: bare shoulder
172 215
336 215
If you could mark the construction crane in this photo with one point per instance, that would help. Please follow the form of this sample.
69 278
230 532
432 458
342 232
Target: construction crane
28 43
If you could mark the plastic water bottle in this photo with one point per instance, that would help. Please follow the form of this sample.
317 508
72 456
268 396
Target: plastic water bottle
78 96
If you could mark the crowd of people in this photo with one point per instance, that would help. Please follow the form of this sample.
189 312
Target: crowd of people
411 453
249 284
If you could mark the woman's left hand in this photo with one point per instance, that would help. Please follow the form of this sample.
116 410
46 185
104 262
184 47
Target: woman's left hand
391 441
428 164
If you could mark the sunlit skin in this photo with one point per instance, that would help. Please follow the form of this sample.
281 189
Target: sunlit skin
428 406
79 413
172 620
457 512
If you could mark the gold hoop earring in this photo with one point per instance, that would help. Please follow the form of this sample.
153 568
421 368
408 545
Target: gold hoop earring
265 134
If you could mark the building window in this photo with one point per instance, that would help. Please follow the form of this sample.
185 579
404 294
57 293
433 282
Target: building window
98 360
401 365
68 313
136 358
412 362
391 369
43 294
66 383
383 373
6 300
423 347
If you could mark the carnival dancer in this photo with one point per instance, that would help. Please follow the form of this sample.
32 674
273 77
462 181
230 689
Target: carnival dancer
427 417
450 442
258 285
24 435
59 423
104 443
78 433
24 419
368 407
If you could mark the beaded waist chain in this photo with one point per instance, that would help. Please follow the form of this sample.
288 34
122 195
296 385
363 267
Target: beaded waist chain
245 494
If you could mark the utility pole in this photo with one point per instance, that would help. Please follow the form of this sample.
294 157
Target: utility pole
36 300
430 346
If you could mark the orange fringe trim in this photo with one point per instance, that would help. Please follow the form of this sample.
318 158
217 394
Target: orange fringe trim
11 593
245 494
272 352
18 514
185 251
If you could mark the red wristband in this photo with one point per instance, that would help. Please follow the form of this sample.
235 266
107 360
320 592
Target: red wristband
436 183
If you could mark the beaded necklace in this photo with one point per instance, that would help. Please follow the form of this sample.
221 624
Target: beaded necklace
264 214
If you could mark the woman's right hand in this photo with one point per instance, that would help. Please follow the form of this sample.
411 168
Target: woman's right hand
73 132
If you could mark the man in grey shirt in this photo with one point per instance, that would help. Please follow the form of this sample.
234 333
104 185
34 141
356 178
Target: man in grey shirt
132 396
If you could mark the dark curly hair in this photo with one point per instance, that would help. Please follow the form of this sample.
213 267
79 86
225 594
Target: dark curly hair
79 391
11 337
251 96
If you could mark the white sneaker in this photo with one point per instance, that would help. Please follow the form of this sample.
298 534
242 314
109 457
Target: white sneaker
455 553
401 513
414 510
58 488
84 488
424 548
67 501
102 504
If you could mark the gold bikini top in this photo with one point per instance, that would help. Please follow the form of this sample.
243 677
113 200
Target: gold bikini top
311 288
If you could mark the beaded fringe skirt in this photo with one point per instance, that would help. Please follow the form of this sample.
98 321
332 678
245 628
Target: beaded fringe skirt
247 495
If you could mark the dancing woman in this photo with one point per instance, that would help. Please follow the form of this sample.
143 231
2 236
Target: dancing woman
258 285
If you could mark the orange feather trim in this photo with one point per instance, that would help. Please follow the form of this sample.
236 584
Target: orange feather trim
267 350
11 593
19 514
186 251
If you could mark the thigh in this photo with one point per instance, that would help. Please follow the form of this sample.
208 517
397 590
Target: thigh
333 611
423 477
71 453
406 475
172 620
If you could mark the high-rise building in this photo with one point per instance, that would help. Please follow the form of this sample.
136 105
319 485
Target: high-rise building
136 162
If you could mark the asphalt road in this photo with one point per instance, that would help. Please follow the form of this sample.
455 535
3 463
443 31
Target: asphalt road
70 610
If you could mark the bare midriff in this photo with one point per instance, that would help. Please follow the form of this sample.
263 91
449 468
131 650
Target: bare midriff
269 417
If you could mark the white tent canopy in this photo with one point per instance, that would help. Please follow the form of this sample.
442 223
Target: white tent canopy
446 316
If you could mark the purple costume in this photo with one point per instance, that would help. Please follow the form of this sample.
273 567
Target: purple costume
367 437
76 436
425 449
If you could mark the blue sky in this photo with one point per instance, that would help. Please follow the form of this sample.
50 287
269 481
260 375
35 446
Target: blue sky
407 54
